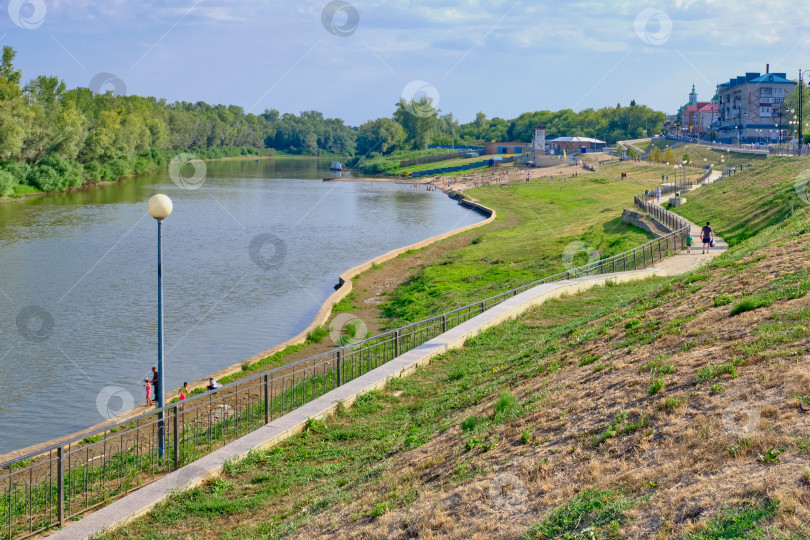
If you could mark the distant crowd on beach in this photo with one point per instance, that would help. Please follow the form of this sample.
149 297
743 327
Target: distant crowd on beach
492 177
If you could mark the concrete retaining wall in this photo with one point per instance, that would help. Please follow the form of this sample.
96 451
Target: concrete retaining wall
643 221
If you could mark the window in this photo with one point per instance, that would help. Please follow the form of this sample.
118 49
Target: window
766 92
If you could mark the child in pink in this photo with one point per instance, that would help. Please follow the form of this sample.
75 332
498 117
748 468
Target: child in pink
148 386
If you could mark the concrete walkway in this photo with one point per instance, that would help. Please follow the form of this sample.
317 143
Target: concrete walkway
685 262
141 501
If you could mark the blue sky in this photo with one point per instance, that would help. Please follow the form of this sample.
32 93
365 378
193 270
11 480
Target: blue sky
353 59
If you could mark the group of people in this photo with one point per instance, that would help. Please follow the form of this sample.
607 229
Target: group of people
652 195
153 387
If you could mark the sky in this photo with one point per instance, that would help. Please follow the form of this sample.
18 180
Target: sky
354 59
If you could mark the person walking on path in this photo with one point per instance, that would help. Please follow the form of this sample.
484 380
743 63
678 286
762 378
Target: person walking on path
688 243
148 386
706 235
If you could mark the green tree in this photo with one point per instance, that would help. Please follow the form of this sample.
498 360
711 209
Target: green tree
382 135
419 118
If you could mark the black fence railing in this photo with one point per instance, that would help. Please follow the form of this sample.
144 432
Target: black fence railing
48 487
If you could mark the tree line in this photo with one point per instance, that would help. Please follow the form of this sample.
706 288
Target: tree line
52 137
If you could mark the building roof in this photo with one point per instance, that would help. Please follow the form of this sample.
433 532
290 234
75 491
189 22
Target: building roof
756 78
539 126
577 139
515 143
773 78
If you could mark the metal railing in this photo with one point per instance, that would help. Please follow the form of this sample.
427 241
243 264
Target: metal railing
48 487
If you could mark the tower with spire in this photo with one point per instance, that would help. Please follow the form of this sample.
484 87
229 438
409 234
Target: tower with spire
693 96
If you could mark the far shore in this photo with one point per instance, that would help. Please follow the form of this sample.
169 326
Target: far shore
26 196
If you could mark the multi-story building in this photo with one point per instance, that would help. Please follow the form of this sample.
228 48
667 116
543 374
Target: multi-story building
697 117
751 108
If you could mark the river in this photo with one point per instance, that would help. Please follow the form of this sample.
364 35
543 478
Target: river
78 288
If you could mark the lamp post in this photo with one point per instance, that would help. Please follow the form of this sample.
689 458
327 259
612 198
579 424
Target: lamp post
801 107
160 206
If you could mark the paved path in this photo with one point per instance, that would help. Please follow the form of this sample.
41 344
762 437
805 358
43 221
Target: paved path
683 261
141 501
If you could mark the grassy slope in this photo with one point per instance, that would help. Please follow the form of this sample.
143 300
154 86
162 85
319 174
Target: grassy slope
440 164
732 159
758 197
389 163
628 409
535 223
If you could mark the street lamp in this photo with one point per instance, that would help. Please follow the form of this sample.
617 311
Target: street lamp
160 207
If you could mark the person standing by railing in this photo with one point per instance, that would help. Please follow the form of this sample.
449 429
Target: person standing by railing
155 382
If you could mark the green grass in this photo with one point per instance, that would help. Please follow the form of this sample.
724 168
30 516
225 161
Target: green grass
324 466
732 159
743 205
740 521
389 163
712 371
535 224
620 425
599 511
24 189
455 162
749 304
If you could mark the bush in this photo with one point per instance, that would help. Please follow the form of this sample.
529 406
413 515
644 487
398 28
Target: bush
7 183
18 169
93 173
749 304
45 178
70 172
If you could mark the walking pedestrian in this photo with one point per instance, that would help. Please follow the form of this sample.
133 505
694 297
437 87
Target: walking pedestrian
706 235
688 243
148 386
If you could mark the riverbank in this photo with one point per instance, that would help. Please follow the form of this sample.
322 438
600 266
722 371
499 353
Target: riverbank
343 289
535 222
95 185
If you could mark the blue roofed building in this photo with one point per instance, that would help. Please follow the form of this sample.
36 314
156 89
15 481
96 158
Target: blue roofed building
751 108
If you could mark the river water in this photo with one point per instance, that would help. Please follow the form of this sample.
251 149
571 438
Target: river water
78 287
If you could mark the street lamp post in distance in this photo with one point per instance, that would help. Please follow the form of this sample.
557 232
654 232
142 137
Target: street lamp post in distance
160 207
